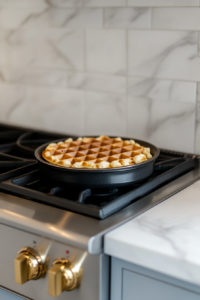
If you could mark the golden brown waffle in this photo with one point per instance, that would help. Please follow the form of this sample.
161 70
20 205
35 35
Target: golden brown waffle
100 152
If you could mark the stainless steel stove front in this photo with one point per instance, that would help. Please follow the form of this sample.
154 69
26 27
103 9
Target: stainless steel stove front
57 233
94 282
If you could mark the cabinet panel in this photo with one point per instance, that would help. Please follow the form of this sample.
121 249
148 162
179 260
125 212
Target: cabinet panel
5 295
136 286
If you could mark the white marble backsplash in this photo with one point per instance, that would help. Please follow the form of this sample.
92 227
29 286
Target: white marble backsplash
117 67
197 132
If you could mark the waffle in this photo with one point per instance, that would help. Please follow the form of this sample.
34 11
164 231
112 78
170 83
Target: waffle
101 152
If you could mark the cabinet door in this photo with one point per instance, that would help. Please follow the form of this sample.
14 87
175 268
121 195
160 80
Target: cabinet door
136 286
5 295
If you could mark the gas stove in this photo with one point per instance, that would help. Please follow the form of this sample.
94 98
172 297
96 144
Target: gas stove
61 227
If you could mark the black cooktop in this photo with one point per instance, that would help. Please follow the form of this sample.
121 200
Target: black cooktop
19 175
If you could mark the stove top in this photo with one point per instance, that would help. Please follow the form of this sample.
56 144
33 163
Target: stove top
19 175
55 221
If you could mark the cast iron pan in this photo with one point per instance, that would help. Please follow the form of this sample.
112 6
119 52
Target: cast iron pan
98 178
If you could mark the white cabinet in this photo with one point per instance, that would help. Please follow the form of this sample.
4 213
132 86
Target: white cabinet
132 282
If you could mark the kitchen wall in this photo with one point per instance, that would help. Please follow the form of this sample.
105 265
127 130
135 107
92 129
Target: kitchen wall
120 67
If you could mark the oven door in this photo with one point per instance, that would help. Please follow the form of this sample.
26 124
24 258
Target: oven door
9 295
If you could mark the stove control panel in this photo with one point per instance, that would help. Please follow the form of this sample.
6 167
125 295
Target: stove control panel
63 276
29 265
47 267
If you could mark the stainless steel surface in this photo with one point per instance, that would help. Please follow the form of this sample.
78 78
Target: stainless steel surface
78 230
95 266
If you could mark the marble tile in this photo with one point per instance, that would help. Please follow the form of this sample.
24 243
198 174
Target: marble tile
64 3
102 3
11 96
40 3
104 114
183 18
197 131
97 82
152 3
67 110
15 18
127 17
167 124
76 18
42 77
164 54
56 48
3 48
162 90
56 110
106 51
22 3
70 18
198 44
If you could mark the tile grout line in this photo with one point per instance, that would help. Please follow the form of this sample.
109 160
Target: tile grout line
88 89
84 51
84 110
103 18
84 92
99 74
195 119
161 78
156 29
126 97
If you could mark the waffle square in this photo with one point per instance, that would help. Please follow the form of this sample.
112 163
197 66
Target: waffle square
100 152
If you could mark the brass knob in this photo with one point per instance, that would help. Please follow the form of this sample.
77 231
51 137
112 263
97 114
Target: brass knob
63 277
28 265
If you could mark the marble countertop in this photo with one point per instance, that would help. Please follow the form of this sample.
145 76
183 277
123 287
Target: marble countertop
166 238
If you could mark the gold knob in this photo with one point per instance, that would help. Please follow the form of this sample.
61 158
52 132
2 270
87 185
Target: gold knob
28 265
63 277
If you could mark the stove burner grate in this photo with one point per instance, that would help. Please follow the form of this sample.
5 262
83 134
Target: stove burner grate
21 143
90 202
19 174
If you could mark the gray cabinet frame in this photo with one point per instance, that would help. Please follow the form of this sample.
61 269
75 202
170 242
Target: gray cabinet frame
132 282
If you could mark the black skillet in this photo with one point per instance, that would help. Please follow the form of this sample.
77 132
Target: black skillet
98 178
